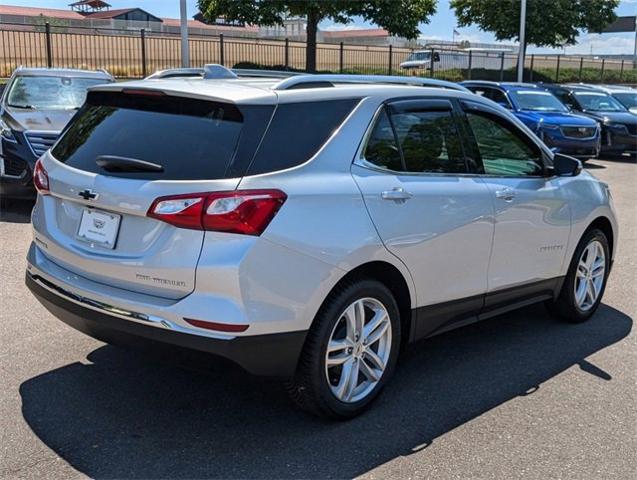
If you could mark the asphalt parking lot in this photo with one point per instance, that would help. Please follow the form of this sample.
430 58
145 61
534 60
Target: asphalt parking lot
518 396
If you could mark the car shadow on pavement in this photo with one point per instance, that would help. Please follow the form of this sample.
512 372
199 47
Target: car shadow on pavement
129 415
16 211
590 165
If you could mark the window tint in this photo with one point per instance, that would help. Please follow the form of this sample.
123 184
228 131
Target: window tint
503 150
498 97
297 132
479 91
382 149
192 139
564 97
428 141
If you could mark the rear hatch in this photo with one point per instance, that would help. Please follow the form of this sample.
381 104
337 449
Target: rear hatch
123 151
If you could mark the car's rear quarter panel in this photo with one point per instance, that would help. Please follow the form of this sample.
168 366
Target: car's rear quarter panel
324 219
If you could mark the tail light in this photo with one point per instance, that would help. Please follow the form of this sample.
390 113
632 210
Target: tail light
40 178
241 211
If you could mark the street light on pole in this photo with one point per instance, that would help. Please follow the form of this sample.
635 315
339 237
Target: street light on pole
522 41
185 54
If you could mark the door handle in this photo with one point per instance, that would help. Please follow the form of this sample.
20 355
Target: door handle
507 194
397 194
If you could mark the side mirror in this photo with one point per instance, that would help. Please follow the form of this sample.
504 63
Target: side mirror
505 105
565 166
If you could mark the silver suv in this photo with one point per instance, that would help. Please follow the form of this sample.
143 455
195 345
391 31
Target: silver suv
309 227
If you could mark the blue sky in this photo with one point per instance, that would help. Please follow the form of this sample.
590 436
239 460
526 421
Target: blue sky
440 27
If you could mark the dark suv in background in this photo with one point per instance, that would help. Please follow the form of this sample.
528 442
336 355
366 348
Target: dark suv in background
619 126
35 106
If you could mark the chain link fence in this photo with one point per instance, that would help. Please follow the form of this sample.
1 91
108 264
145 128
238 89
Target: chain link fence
137 53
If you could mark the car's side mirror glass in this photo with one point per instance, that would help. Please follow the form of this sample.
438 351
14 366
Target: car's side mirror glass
566 166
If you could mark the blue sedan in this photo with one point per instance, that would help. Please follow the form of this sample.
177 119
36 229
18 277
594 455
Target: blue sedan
542 112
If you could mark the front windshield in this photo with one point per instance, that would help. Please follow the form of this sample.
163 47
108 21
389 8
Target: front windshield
627 99
418 56
598 102
539 101
49 93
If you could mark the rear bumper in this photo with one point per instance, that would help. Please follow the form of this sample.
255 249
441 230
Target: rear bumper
267 355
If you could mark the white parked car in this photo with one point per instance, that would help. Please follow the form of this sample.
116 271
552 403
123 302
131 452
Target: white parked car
481 58
309 227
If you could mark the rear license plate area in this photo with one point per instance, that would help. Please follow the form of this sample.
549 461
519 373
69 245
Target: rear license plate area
98 227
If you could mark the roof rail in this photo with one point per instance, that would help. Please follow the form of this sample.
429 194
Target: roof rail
209 71
176 73
247 72
328 80
216 71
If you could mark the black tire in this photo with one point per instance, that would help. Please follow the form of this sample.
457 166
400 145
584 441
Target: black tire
565 305
309 388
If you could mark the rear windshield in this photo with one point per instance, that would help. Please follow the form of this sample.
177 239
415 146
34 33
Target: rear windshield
191 139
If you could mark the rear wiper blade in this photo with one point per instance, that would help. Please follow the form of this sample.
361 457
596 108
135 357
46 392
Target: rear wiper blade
113 163
26 107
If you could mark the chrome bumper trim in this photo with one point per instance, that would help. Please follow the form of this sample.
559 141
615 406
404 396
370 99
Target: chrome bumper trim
150 320
96 305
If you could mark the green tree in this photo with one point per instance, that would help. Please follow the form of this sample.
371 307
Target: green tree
549 23
398 17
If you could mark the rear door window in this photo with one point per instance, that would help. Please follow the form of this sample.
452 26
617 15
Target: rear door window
191 139
416 137
297 132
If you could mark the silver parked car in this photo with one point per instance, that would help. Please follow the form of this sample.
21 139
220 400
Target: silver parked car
309 227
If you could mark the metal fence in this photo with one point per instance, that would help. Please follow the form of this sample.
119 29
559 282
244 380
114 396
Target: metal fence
134 54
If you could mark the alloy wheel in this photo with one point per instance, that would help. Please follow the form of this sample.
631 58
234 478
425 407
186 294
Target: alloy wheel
590 275
358 350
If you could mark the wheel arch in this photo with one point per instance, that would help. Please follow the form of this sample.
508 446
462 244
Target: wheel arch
390 276
603 223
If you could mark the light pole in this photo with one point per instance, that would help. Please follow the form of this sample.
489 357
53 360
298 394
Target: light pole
522 41
185 54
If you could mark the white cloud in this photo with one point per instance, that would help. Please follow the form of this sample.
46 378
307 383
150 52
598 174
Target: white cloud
599 44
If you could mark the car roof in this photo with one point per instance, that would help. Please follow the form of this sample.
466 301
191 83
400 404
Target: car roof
219 83
576 88
610 89
263 91
502 85
63 72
